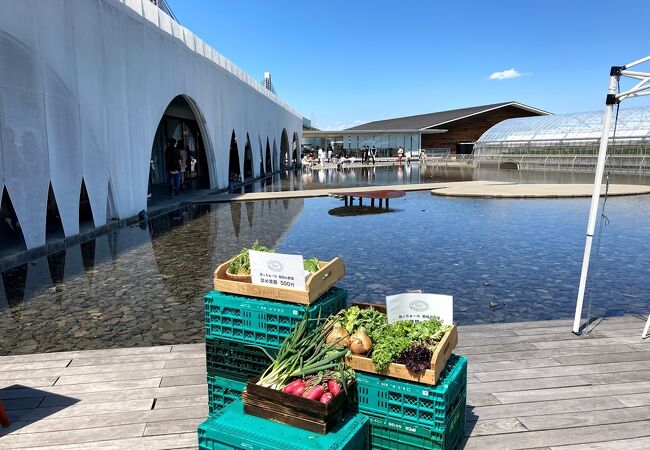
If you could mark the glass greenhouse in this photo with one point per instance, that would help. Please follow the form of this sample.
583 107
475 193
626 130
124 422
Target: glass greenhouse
568 141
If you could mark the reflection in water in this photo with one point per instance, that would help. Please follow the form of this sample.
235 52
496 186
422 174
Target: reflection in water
144 286
150 293
349 211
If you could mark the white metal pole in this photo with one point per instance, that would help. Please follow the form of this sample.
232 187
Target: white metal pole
595 196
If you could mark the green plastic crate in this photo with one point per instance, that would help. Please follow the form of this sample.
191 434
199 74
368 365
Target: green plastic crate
235 360
232 429
262 322
222 392
390 434
415 402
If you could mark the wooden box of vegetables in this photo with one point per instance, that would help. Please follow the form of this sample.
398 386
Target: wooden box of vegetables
307 383
405 350
233 276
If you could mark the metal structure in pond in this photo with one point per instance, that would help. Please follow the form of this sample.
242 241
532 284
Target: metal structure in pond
614 97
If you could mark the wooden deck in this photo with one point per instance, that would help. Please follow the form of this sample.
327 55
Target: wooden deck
531 385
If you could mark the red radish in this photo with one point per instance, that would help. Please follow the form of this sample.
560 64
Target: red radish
334 387
300 390
291 387
314 393
326 398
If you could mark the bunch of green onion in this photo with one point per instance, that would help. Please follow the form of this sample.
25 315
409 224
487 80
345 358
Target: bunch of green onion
303 353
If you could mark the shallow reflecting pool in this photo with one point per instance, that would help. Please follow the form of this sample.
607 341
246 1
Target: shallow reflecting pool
503 260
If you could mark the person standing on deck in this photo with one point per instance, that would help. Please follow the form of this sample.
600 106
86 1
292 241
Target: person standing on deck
173 165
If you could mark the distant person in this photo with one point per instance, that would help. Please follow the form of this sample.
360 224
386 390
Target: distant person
423 156
329 155
373 154
183 154
173 166
9 217
400 154
321 155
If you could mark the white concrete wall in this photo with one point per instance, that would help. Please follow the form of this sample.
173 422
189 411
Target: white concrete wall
83 86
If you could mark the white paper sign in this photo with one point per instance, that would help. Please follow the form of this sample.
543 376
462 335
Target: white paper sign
277 270
418 307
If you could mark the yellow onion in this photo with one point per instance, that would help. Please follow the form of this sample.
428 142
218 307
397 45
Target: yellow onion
360 342
339 335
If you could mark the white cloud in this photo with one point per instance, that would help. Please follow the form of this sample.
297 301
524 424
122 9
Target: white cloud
506 74
338 125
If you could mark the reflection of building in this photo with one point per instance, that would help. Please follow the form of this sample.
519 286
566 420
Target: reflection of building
84 87
568 141
452 131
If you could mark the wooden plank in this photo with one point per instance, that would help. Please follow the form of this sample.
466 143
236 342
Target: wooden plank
619 377
110 352
551 407
184 380
635 399
487 334
527 384
643 346
164 442
599 358
185 362
22 403
119 359
86 436
181 402
602 325
175 426
35 365
132 394
29 382
585 342
82 409
133 375
559 371
506 348
642 443
78 389
50 425
566 336
599 390
496 426
550 438
585 418
80 370
198 348
511 365
476 399
533 354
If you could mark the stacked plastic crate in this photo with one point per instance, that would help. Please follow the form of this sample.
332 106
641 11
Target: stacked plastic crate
415 416
239 330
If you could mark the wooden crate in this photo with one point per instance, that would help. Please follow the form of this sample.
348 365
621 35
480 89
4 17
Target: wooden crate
296 411
430 376
319 282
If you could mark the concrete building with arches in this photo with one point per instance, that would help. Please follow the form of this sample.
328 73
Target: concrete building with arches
90 93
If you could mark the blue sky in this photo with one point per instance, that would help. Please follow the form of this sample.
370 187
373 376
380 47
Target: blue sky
341 63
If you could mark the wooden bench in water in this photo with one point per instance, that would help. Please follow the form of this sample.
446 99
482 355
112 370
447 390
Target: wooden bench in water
381 195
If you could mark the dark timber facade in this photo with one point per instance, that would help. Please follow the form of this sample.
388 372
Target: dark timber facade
463 126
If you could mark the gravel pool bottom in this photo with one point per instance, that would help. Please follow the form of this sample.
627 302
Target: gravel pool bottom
502 260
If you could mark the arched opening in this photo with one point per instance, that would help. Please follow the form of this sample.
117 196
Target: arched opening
285 162
53 223
248 160
85 210
269 160
294 149
261 174
234 174
178 155
11 234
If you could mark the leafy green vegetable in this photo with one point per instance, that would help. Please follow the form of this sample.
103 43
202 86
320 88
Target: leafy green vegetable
369 318
396 337
416 357
312 265
241 265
